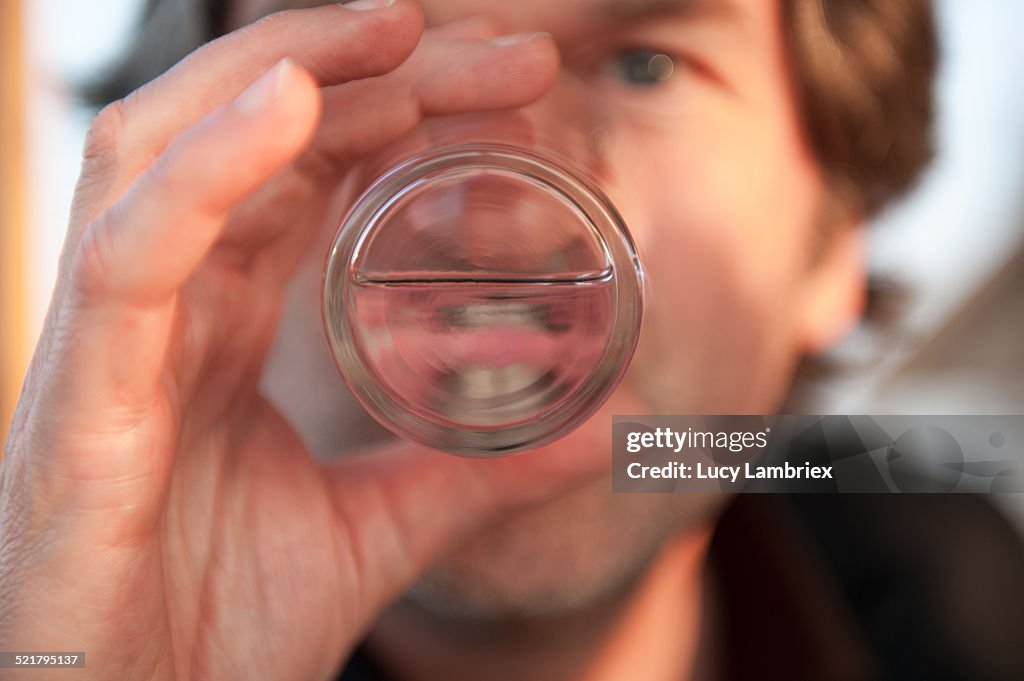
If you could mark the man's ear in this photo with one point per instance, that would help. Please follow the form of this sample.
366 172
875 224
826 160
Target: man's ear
834 291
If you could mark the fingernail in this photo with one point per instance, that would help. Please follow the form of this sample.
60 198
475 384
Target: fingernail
261 93
517 38
364 5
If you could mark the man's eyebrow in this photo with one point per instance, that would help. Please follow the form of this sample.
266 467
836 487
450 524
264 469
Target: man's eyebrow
632 11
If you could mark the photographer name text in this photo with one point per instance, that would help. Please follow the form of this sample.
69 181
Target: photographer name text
667 439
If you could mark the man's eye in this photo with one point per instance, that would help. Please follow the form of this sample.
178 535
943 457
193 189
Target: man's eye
643 68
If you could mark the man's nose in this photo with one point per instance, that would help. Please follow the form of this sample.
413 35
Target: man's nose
512 225
524 222
502 218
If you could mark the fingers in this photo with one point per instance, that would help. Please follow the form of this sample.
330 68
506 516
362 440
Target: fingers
110 400
125 274
335 43
147 244
444 77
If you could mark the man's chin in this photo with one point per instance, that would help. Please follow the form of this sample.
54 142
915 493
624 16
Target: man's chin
583 549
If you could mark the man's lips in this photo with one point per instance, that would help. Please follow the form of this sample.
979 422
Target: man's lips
499 347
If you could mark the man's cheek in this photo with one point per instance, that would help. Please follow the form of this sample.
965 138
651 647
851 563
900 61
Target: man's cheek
716 322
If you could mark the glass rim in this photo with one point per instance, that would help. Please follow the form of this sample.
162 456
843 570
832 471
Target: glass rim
547 172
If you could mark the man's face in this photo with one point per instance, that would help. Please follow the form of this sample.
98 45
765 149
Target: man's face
705 160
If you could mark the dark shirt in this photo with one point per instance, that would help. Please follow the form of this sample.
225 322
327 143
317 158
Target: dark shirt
860 587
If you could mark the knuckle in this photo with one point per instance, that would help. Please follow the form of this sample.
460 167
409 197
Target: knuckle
91 266
101 141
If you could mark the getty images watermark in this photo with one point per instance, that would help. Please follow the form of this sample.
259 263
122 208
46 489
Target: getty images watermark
850 454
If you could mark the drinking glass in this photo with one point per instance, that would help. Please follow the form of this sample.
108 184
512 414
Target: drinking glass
482 295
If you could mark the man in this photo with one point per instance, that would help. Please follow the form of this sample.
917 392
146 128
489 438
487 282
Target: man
161 506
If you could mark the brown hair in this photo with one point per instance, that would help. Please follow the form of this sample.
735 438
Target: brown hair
863 72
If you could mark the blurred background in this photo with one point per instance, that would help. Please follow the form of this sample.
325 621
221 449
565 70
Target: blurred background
950 337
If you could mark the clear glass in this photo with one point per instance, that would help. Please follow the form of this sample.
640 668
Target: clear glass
482 297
